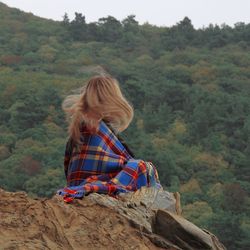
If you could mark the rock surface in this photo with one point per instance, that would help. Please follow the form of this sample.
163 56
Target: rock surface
148 219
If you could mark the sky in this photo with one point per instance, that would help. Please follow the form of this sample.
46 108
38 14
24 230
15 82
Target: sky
156 12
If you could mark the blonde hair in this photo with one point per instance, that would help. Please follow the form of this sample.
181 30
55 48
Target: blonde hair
100 99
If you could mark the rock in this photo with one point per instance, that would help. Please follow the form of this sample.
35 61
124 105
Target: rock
184 233
145 219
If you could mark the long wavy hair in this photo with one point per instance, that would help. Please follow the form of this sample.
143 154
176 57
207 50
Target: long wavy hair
100 99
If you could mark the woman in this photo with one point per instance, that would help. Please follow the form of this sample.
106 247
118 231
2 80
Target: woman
96 158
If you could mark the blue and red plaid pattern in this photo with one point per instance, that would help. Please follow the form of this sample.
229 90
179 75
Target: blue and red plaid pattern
102 164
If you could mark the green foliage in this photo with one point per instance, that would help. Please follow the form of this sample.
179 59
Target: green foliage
199 212
226 226
45 184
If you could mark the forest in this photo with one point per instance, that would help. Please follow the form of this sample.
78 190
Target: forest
190 89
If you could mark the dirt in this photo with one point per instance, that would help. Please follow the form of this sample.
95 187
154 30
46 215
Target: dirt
27 223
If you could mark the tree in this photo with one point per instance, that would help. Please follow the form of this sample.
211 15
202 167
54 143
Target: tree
110 29
78 27
234 198
179 35
66 20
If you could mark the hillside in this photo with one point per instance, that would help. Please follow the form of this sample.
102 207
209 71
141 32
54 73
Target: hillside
190 89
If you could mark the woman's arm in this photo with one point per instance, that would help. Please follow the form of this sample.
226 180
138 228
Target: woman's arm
121 140
125 146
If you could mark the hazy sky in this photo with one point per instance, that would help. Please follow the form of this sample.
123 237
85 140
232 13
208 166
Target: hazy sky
158 12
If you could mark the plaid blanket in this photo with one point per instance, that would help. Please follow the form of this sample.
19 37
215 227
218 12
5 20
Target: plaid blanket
103 164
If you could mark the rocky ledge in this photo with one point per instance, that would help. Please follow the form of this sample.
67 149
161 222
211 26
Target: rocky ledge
146 219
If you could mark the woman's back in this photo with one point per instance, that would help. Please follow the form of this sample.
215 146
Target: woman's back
98 154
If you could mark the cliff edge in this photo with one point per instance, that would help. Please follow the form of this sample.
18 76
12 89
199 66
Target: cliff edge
139 221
